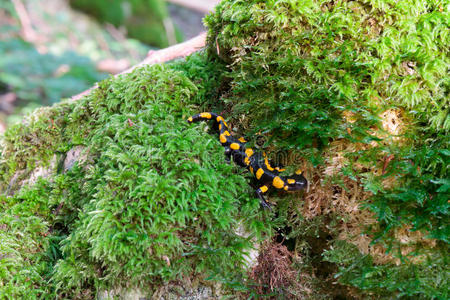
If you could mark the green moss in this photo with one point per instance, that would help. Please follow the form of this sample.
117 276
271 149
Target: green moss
33 143
303 64
24 230
297 68
156 194
427 279
156 191
154 202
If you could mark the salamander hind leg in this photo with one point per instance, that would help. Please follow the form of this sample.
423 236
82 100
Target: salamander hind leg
228 152
260 194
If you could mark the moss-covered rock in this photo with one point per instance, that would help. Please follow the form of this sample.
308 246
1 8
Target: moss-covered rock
152 201
359 90
352 91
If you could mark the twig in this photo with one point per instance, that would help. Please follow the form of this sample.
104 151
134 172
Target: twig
28 32
160 56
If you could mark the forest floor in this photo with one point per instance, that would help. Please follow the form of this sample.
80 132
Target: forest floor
56 28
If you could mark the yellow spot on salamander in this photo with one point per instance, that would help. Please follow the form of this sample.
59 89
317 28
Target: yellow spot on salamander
246 161
205 115
286 188
280 170
220 126
269 167
259 173
226 133
190 119
222 138
298 172
220 118
249 152
264 188
251 169
234 146
291 181
242 140
278 182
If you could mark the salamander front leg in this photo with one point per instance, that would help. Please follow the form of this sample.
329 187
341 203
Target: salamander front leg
228 154
260 194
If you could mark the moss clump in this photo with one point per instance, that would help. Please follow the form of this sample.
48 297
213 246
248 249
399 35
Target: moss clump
25 247
155 200
427 279
33 143
323 58
322 79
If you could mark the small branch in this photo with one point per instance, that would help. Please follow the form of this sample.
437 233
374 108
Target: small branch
28 32
160 56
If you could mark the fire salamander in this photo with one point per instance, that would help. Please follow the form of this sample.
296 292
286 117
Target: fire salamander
268 176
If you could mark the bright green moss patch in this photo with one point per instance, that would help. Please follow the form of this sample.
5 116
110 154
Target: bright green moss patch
26 146
24 241
154 201
316 58
158 205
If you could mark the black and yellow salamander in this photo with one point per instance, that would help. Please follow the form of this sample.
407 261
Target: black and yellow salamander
257 163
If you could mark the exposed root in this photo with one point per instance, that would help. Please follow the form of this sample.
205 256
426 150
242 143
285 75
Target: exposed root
275 275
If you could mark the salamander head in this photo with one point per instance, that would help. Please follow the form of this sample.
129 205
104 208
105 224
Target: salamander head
297 181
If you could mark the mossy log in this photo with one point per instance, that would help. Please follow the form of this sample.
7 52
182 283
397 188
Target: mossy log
354 92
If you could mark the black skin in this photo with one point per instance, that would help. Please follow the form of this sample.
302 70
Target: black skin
267 176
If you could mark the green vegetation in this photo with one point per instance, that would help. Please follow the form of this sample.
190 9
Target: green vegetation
426 280
317 73
358 90
155 206
145 20
49 67
25 249
44 78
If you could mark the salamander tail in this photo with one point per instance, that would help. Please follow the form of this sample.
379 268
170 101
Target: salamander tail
203 116
219 120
